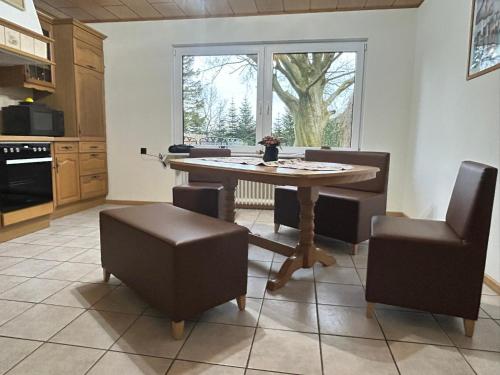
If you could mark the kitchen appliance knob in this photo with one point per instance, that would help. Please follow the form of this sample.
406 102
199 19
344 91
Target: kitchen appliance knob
44 149
17 149
11 149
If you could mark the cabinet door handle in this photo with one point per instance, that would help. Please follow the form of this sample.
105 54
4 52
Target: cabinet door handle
57 166
94 147
91 67
94 155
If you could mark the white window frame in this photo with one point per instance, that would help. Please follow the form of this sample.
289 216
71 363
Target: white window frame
264 51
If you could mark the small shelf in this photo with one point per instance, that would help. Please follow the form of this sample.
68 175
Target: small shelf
20 46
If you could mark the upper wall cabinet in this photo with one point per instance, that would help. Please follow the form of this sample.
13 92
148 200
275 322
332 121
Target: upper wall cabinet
34 76
20 46
80 80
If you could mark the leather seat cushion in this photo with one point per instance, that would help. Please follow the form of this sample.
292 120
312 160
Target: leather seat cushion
200 186
404 229
334 192
173 225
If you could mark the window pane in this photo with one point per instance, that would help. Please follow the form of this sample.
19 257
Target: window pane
219 100
313 96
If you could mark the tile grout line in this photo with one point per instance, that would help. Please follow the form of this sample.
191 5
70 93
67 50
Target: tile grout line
319 324
381 329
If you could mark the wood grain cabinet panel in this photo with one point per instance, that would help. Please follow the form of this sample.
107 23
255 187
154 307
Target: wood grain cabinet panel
93 185
92 147
92 163
65 147
67 178
88 56
90 116
87 36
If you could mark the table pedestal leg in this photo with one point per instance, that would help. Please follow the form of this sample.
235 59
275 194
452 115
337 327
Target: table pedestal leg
229 199
306 253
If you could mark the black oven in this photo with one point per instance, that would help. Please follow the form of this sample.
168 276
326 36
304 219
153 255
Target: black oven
25 175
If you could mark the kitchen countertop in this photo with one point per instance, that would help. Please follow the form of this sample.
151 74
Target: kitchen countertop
22 138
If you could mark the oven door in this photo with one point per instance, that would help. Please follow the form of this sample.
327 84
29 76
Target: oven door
25 183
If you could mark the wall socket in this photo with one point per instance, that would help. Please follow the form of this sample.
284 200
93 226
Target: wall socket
144 150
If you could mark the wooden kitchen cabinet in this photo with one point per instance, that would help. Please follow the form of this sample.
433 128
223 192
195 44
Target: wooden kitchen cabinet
67 178
94 185
92 163
89 56
40 77
80 80
89 87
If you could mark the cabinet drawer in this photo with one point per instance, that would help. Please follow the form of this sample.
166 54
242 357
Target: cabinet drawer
87 37
93 185
65 147
88 56
92 147
18 216
92 163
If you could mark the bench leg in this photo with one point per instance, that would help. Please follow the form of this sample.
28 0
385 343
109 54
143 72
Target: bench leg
105 275
469 327
276 227
354 249
178 329
370 308
242 301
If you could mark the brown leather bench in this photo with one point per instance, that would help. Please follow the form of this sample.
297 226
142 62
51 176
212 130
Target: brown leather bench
343 212
181 262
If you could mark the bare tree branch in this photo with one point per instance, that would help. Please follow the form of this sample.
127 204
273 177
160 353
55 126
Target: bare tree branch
290 101
342 87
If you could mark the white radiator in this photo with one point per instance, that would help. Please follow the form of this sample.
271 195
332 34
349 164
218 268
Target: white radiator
248 194
254 195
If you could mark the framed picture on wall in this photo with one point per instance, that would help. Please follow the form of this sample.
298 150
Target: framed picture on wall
19 4
484 44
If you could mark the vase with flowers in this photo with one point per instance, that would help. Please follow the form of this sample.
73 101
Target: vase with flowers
271 145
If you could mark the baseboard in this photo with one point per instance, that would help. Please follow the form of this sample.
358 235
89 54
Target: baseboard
492 283
130 203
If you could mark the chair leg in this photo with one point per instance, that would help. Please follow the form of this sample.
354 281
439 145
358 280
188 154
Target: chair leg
105 275
178 329
469 327
370 308
242 301
354 249
276 227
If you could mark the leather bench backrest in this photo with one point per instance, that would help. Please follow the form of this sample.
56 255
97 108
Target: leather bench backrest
471 203
373 159
206 153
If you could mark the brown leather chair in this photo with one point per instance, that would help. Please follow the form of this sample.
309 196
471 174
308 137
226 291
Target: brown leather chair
342 212
203 193
436 266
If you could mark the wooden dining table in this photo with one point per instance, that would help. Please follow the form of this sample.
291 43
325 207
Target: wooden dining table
305 254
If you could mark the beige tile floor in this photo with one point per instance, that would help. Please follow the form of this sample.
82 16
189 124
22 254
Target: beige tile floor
57 317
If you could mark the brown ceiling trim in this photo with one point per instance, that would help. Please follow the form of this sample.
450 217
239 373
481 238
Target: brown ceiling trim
244 15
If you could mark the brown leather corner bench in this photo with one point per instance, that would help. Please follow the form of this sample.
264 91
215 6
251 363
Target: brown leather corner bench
181 262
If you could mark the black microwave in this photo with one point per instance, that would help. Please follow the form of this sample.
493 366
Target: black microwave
32 119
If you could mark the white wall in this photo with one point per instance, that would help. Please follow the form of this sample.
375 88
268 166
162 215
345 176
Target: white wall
453 119
26 18
138 57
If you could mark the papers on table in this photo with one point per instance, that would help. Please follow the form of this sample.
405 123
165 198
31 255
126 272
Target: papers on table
284 163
